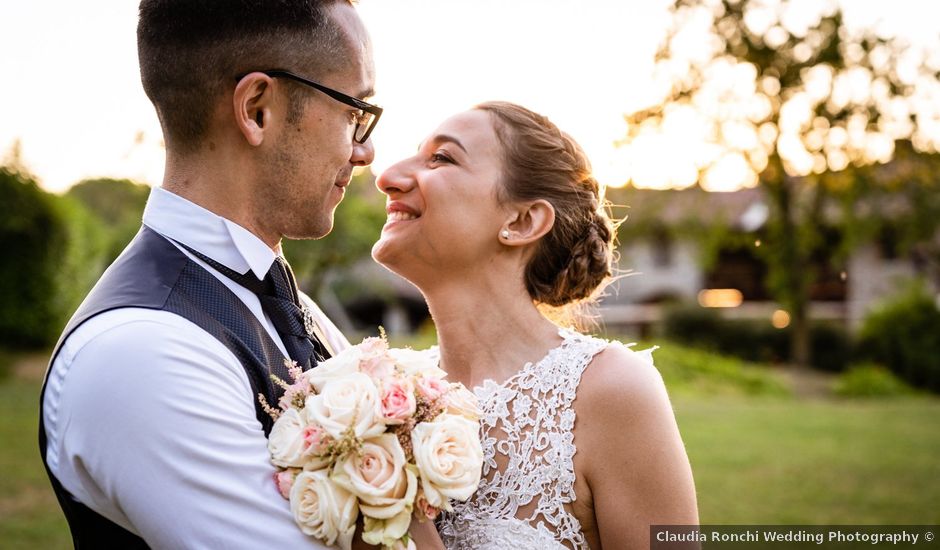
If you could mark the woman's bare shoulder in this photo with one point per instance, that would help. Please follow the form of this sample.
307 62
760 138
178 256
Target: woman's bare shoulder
621 380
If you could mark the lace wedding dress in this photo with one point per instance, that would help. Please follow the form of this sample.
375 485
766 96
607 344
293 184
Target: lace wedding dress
528 450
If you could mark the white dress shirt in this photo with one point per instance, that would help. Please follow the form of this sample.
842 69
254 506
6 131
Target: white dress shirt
151 420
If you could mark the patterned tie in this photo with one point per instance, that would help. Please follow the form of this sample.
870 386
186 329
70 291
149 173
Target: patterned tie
281 301
294 323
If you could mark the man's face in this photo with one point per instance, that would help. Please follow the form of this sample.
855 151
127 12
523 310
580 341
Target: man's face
311 161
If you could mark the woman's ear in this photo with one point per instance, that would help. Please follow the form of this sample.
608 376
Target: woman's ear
528 223
252 102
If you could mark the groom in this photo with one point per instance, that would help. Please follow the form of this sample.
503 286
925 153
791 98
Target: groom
150 426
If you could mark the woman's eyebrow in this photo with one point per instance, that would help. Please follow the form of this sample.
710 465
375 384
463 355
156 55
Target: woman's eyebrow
444 138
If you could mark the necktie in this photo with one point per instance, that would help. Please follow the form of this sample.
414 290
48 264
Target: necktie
280 300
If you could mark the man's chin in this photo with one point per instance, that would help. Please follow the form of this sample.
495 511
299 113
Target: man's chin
311 232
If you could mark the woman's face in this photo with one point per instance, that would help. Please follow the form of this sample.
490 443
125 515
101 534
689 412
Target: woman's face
443 213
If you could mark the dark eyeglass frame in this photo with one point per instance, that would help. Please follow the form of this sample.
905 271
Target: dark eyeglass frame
374 110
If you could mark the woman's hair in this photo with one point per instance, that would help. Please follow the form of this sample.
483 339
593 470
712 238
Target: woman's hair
542 162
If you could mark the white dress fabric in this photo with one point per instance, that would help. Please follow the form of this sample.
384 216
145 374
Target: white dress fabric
528 449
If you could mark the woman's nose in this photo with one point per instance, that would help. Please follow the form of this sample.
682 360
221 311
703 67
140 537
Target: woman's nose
398 178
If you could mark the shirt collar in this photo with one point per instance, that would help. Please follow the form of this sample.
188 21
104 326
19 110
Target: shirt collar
221 239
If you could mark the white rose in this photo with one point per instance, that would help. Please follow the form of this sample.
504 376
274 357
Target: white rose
349 401
449 457
462 402
323 509
417 363
379 478
286 442
338 366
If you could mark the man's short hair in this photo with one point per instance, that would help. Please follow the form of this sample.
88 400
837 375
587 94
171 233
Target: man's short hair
191 52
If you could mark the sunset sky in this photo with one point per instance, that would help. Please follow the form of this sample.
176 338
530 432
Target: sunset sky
71 90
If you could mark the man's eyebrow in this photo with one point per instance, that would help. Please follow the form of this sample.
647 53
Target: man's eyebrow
369 92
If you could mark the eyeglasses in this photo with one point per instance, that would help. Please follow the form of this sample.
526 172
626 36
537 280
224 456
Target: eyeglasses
365 120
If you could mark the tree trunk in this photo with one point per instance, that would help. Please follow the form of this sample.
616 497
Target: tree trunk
788 259
800 342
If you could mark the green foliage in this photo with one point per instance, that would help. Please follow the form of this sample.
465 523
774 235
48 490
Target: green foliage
800 53
677 215
357 225
870 380
752 340
117 203
54 252
895 205
904 335
690 370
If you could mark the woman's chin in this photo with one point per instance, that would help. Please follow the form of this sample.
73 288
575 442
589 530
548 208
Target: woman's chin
388 255
395 259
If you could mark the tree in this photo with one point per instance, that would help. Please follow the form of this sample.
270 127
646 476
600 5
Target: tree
786 97
55 252
117 203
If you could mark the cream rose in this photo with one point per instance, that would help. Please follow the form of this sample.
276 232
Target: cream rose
378 476
449 458
323 509
417 363
461 401
388 532
350 401
286 442
336 367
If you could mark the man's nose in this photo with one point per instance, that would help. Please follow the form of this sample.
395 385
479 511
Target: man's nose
363 153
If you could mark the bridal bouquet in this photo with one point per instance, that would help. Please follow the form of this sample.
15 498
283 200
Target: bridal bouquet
377 432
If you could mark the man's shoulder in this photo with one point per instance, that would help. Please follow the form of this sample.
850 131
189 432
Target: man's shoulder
136 330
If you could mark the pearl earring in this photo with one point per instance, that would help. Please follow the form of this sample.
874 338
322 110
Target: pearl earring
504 233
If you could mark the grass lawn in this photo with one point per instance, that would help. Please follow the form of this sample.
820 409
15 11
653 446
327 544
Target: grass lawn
772 461
29 514
767 458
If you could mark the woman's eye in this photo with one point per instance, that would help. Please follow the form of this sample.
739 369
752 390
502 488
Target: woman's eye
440 157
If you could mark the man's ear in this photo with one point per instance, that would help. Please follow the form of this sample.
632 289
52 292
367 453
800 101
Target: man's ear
528 223
252 102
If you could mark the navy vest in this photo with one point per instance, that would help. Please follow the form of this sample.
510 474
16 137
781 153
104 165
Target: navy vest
152 273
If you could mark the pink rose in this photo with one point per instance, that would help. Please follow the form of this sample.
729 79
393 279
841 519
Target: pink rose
284 481
398 401
297 392
423 509
375 360
431 388
315 439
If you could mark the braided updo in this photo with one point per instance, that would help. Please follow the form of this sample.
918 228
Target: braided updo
542 162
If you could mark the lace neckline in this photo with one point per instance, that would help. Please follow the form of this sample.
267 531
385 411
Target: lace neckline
567 337
526 429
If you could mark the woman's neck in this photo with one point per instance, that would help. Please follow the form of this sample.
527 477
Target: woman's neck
487 331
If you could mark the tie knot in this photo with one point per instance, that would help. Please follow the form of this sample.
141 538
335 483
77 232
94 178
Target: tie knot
282 282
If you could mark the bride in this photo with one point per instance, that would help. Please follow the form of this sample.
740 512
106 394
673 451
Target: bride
494 218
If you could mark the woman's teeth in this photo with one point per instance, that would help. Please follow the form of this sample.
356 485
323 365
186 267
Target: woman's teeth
398 216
